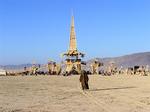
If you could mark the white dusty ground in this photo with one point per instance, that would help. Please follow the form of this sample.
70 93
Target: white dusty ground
63 94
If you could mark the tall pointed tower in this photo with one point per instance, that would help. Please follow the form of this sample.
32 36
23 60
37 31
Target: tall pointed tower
73 43
73 57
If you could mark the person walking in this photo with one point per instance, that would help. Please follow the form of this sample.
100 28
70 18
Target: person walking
84 80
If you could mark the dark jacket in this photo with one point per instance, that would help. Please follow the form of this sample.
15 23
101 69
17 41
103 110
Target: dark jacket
84 81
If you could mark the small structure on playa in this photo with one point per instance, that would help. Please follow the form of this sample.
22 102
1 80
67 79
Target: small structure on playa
3 72
111 68
138 70
53 68
95 65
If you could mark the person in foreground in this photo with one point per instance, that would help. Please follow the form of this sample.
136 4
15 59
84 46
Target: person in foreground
84 80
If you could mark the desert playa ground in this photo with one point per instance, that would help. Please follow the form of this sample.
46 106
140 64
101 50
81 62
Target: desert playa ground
122 93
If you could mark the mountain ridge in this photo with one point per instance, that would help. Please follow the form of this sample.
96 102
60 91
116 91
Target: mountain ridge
129 60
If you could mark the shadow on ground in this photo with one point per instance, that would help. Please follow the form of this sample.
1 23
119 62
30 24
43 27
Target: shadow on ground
117 88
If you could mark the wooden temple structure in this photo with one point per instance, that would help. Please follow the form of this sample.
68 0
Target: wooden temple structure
73 56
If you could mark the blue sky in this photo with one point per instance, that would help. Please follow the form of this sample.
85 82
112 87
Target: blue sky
38 30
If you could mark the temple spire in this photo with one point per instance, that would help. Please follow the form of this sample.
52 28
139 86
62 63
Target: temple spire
73 43
73 51
73 56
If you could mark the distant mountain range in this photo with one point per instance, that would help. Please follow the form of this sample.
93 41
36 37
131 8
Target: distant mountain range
128 60
11 67
124 61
